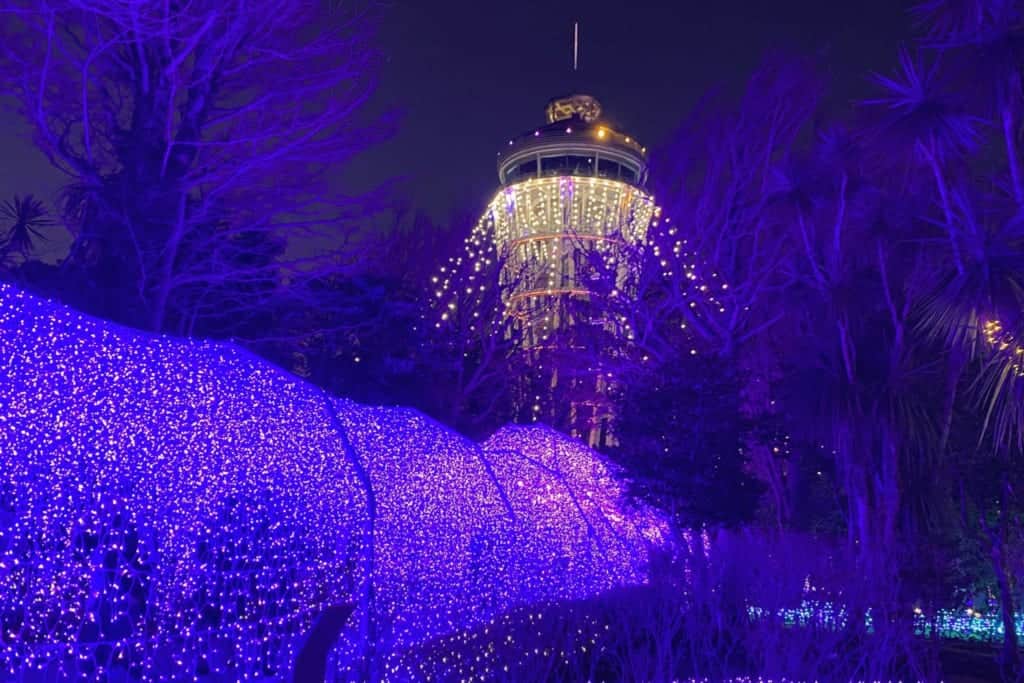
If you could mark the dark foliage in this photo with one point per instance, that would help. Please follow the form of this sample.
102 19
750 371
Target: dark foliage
681 438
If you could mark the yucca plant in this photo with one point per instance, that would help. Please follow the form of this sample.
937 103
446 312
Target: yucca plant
27 220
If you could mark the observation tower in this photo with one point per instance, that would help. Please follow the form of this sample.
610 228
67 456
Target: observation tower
570 190
570 210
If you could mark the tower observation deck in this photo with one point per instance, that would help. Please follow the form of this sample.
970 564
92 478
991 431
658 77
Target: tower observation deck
570 189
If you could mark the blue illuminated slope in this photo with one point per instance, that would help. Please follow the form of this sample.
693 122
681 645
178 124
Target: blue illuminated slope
178 509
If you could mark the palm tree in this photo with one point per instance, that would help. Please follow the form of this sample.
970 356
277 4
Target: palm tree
978 314
982 42
985 41
952 20
935 127
28 221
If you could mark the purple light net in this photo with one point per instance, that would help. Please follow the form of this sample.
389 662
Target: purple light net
180 510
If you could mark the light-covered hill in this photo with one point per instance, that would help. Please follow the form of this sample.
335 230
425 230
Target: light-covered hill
180 509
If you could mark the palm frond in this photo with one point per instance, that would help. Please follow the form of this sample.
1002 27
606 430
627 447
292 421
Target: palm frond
28 220
919 113
954 22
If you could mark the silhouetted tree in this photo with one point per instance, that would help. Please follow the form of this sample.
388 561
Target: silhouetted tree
681 438
197 140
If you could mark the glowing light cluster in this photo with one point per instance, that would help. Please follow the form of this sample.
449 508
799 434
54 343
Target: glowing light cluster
540 240
542 225
172 509
567 205
463 282
1004 342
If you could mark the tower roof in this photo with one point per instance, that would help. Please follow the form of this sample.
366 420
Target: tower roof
574 128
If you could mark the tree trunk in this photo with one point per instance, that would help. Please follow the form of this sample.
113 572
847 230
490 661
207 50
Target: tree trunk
311 662
367 600
947 210
1010 659
166 272
1010 139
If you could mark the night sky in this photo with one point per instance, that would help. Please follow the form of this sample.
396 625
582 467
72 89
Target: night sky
467 75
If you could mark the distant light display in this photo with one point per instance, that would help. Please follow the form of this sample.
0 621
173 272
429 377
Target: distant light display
173 510
966 624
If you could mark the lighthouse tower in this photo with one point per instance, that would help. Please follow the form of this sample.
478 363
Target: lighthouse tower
571 206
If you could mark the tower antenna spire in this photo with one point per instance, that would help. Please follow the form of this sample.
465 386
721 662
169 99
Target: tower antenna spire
575 46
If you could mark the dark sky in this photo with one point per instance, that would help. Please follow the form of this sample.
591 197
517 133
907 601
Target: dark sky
466 75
